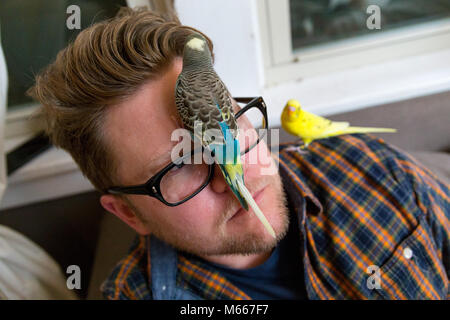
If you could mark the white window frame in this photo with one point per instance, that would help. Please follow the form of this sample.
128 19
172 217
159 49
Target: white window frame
283 64
154 5
21 123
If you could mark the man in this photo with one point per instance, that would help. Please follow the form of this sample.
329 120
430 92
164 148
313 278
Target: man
354 217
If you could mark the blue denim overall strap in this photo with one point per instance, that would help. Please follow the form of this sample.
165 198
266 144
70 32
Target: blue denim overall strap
164 259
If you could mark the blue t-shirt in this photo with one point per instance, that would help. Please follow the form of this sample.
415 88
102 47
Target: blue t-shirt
279 277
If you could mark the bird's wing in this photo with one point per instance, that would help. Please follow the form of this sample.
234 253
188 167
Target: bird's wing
334 127
202 96
223 101
319 126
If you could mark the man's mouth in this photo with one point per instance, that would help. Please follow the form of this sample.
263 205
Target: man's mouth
256 196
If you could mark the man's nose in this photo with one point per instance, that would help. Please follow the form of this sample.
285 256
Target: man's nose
218 182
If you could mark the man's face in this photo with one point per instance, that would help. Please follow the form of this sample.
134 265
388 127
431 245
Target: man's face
139 133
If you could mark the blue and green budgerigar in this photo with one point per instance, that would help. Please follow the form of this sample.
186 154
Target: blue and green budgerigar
202 97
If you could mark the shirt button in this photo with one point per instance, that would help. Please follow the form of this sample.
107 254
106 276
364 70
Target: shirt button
163 288
407 253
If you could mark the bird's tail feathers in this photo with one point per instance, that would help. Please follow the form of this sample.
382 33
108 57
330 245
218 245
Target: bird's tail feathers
232 182
246 194
365 130
235 180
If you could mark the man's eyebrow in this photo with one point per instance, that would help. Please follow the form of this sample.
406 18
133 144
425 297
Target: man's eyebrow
160 161
156 163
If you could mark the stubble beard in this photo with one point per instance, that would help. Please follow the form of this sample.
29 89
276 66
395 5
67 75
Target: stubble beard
247 243
253 242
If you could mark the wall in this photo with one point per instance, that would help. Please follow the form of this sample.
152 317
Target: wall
234 27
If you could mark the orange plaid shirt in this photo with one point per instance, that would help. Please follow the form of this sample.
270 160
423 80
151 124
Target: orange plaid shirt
374 224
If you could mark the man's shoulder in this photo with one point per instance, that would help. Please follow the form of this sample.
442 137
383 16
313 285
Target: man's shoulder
129 279
354 167
343 144
377 201
365 152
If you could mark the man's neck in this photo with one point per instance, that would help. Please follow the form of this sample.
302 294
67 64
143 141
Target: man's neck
237 261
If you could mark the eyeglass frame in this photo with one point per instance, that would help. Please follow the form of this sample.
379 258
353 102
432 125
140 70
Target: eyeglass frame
152 186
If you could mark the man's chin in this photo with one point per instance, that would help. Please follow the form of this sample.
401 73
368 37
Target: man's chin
236 240
240 232
246 227
247 235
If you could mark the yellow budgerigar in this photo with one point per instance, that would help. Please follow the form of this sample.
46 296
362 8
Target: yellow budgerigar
311 127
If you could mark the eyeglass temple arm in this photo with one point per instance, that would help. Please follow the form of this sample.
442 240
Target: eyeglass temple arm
141 189
245 99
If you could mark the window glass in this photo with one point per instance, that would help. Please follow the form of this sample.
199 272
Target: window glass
34 31
323 21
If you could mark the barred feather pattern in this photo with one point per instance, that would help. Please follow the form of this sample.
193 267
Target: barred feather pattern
202 96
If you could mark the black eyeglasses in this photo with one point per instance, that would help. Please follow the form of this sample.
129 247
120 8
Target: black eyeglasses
182 179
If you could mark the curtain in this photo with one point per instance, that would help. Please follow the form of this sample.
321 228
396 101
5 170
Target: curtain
3 102
26 270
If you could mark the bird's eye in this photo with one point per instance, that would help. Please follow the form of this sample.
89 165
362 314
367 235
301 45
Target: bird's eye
227 116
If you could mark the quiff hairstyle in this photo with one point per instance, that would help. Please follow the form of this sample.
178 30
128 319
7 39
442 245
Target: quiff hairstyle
107 62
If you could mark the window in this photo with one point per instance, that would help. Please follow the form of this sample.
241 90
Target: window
316 22
304 38
32 33
41 25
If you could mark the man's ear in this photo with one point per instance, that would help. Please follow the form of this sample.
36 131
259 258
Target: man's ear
121 209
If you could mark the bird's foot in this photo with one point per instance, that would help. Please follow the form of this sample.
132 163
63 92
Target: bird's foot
302 149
